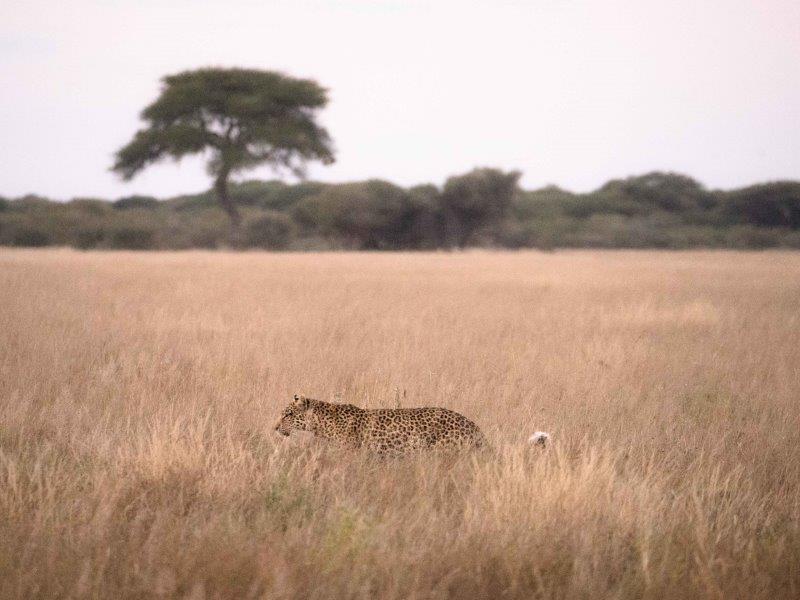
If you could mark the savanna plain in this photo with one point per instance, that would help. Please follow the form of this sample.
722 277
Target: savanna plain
138 393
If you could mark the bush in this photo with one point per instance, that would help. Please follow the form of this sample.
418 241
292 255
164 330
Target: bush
748 236
425 227
659 191
132 238
32 201
272 230
584 206
284 198
365 215
693 236
542 203
129 202
88 238
542 234
515 234
766 205
90 206
204 238
208 228
273 195
31 237
476 200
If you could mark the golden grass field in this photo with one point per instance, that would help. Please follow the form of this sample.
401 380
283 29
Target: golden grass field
138 394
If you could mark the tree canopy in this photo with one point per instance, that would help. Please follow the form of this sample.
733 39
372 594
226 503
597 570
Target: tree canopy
775 204
243 117
370 214
474 200
671 192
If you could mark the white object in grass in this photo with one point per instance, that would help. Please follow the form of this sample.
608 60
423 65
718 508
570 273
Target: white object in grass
539 438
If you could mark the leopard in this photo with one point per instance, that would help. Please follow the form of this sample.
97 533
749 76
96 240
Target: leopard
382 431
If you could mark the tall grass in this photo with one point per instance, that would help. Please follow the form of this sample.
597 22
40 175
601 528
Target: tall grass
138 392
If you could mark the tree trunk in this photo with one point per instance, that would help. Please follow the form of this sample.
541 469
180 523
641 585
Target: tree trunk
221 189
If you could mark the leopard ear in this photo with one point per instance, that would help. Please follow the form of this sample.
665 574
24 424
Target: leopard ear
306 402
296 397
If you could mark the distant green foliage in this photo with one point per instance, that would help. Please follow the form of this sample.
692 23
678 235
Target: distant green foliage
31 237
669 192
272 230
96 206
132 238
369 215
476 200
88 238
274 195
766 205
130 202
484 207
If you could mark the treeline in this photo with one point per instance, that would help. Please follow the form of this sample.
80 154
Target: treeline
485 207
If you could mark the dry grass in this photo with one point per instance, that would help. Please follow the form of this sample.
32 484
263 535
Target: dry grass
137 394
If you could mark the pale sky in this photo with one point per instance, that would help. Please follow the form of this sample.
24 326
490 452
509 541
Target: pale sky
569 92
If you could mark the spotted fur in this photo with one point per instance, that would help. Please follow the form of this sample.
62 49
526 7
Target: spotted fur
383 431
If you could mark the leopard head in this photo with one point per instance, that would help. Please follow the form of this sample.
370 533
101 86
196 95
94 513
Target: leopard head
295 416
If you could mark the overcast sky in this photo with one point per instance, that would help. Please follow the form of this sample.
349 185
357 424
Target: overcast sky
570 92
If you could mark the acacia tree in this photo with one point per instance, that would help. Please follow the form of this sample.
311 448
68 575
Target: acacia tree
241 117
